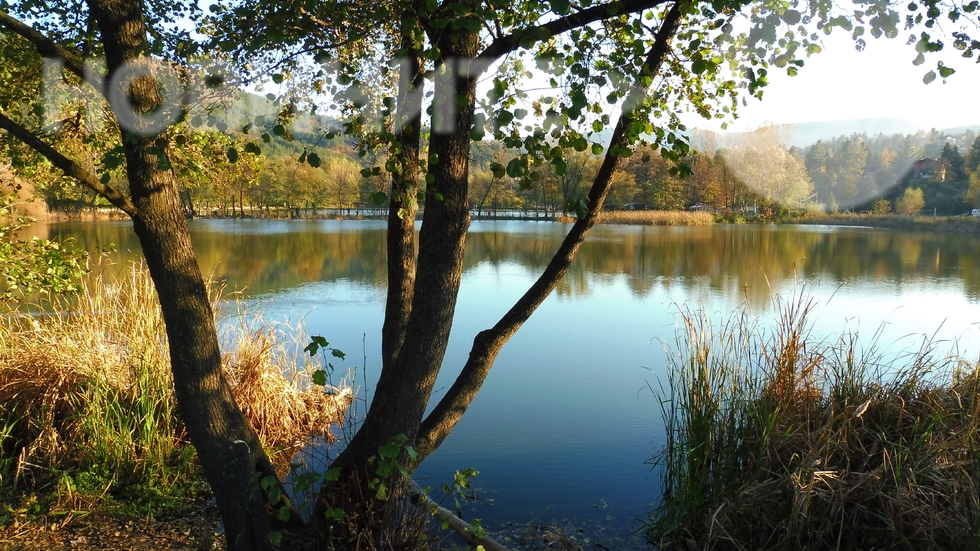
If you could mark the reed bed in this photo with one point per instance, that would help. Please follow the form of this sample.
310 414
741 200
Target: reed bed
946 224
86 394
657 217
777 440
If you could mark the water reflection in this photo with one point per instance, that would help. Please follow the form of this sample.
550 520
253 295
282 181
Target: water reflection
737 261
565 421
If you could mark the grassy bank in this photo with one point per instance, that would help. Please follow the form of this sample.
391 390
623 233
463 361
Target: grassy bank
87 412
778 440
954 224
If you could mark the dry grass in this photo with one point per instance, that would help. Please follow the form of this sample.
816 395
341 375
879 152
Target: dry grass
779 441
276 395
86 387
656 217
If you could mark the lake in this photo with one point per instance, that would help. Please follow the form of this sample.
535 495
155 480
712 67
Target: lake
566 423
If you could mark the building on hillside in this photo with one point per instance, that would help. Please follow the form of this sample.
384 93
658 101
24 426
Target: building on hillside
929 169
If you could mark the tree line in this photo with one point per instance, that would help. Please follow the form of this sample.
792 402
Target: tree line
903 173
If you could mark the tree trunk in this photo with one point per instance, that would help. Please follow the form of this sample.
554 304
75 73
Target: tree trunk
228 448
406 381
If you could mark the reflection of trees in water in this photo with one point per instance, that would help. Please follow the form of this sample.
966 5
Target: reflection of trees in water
739 261
743 261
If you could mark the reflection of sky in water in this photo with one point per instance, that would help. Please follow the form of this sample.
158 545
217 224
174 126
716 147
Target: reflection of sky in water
566 419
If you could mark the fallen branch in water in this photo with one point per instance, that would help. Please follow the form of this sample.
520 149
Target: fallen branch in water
466 530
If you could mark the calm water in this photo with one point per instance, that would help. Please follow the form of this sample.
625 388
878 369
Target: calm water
566 422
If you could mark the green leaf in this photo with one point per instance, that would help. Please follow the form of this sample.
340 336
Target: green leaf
560 167
320 377
698 66
277 78
275 537
337 354
379 198
560 7
284 514
316 343
497 169
279 130
515 168
332 475
105 178
929 77
946 72
596 149
335 513
313 159
232 154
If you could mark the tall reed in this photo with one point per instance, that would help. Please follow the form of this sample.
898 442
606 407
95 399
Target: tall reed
779 440
657 217
86 394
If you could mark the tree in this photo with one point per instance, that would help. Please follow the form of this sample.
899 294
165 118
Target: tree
605 58
973 157
230 452
881 206
911 201
972 195
954 161
761 161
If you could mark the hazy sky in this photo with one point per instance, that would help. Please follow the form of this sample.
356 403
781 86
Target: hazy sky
842 83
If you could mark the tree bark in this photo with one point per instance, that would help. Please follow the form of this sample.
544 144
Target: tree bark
402 200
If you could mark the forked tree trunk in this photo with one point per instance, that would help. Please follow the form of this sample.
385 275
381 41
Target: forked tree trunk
412 359
416 338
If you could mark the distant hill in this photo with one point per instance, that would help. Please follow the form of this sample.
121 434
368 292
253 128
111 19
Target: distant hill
805 134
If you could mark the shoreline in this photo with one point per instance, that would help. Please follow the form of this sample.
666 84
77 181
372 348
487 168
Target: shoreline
945 224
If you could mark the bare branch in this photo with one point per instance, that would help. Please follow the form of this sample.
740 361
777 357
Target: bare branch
487 344
68 166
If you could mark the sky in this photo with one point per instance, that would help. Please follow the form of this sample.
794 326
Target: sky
879 82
